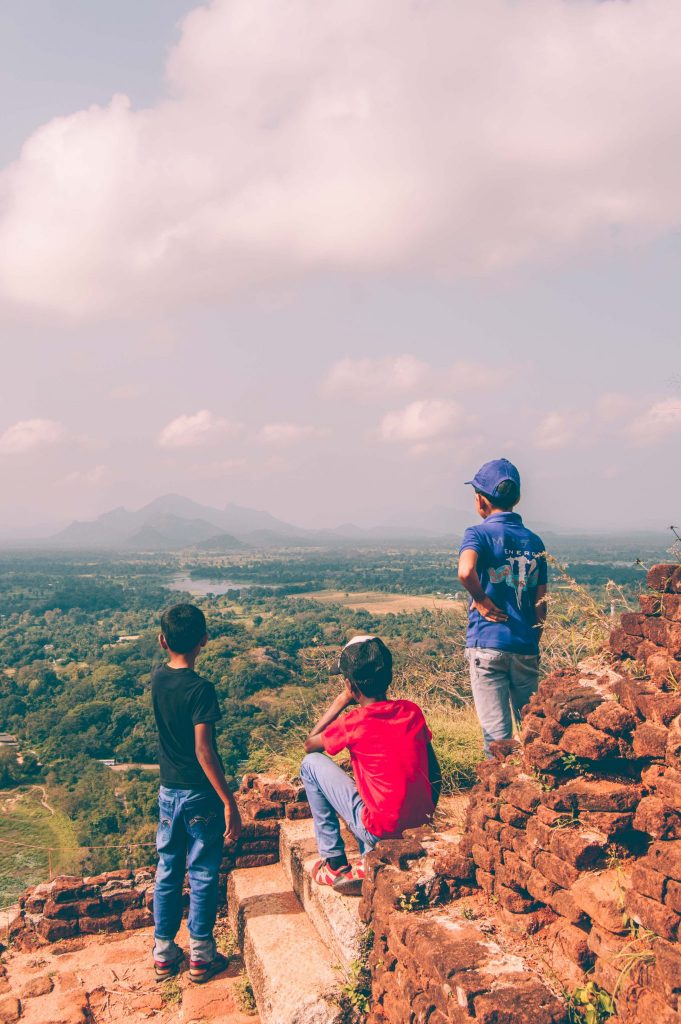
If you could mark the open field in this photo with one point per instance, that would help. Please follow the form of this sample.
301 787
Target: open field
381 603
26 817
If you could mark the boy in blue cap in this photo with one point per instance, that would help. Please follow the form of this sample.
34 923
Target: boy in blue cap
502 565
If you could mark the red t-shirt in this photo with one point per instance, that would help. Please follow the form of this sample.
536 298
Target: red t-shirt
388 744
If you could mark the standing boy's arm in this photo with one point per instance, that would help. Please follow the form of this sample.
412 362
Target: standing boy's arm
208 759
434 774
468 574
314 742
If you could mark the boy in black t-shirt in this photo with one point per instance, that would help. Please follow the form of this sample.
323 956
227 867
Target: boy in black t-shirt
197 810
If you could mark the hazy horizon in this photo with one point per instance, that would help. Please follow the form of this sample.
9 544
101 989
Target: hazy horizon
325 260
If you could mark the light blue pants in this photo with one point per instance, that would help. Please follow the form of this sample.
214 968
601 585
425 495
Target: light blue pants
331 792
502 683
189 838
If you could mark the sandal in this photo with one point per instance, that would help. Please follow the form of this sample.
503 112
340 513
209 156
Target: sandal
168 969
200 972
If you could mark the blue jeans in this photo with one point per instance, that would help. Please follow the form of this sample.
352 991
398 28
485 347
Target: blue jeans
502 683
190 837
331 793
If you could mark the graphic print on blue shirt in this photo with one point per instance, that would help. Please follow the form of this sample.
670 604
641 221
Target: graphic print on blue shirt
511 565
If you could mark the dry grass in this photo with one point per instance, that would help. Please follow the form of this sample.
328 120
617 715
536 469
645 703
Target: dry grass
435 676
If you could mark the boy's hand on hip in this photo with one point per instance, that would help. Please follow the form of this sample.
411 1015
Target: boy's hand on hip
489 610
232 824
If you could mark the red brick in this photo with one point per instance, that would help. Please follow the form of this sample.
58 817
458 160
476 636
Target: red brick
673 897
257 860
668 971
551 730
544 756
650 740
571 941
593 795
632 623
652 915
54 931
524 795
564 905
647 881
585 741
513 816
665 579
665 857
599 894
556 870
612 717
622 644
658 819
100 925
137 917
580 848
540 887
512 900
295 812
610 823
661 708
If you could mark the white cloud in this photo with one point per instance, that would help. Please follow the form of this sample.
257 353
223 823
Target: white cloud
192 431
447 138
659 421
421 421
285 433
557 430
27 435
91 476
362 377
614 406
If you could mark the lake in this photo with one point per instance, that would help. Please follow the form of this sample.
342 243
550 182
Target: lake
201 587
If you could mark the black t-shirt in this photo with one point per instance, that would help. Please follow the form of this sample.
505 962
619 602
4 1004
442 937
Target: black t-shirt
181 699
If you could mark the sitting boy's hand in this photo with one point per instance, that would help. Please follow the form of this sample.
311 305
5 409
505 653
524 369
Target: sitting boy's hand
348 695
489 610
232 824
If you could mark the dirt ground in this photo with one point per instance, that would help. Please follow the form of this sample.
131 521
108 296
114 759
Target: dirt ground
382 604
106 979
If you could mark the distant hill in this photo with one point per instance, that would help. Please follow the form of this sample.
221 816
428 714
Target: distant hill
173 522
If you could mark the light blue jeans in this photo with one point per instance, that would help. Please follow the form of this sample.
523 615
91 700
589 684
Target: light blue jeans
502 683
331 792
190 835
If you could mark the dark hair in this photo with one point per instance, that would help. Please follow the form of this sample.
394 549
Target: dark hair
507 496
368 666
184 627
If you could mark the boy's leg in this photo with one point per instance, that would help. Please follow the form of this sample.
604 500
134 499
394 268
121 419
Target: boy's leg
171 843
332 792
205 824
524 681
491 684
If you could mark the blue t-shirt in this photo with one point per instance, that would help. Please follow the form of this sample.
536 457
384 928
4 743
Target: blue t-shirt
511 565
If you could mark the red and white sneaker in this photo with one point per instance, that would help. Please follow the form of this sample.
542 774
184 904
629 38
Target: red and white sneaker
358 870
351 883
324 874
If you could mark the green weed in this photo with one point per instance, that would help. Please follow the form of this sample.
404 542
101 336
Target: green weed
589 1004
244 995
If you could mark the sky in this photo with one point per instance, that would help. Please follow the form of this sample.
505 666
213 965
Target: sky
326 259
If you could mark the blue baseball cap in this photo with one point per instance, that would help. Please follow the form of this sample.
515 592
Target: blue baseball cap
493 473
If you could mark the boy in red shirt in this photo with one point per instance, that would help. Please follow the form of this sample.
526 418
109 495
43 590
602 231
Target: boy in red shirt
397 776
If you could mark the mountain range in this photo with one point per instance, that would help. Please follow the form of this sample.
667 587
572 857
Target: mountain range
173 522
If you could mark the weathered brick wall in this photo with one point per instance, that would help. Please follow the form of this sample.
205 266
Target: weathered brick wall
574 835
120 900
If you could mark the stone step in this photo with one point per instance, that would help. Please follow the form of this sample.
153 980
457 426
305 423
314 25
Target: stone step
290 969
335 917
